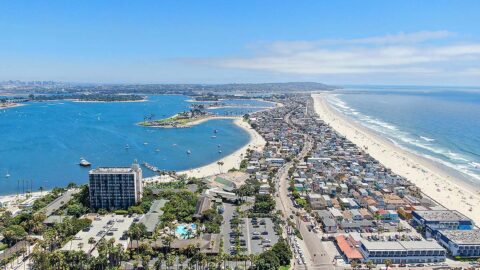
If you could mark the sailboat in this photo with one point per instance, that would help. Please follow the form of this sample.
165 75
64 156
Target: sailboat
7 175
189 152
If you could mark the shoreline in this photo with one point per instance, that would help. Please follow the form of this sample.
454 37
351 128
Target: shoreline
233 160
99 101
193 123
14 105
444 185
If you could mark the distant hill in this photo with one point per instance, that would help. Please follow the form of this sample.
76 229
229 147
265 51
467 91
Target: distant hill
61 87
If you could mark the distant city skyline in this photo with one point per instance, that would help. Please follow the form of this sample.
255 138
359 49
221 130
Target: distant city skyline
338 42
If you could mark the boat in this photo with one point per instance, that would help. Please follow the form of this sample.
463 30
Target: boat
215 131
219 151
219 146
145 143
189 152
7 175
84 163
127 146
213 137
157 150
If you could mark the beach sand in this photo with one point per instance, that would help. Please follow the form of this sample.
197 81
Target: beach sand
233 160
10 105
435 180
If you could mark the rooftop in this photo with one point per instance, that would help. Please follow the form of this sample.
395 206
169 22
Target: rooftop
463 236
112 170
441 215
350 251
401 245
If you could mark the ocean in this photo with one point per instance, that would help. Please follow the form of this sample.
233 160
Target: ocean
438 123
41 143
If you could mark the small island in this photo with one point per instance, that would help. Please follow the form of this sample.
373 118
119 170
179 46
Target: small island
179 120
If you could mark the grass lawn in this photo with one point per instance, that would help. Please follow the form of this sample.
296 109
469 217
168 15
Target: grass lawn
284 268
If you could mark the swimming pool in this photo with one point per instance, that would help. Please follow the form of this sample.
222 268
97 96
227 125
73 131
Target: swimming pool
185 231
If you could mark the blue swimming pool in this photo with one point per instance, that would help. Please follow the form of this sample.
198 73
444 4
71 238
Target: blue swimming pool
185 231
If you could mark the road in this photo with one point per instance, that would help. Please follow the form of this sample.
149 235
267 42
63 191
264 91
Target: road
316 255
59 202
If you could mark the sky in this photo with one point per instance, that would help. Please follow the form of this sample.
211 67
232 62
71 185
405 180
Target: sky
429 42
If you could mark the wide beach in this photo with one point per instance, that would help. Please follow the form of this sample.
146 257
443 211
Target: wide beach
436 181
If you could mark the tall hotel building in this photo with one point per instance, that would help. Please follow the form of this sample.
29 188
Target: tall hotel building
115 187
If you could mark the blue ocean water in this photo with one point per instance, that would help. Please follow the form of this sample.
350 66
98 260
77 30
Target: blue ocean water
41 143
440 123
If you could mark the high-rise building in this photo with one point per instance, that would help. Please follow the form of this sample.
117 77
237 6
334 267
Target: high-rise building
115 187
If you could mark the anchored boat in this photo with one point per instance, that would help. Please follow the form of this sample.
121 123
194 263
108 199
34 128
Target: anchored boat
84 163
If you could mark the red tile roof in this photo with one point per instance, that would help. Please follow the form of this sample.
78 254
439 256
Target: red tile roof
350 251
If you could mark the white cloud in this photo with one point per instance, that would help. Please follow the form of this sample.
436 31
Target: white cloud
412 54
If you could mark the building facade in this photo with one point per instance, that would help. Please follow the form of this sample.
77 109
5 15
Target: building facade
433 221
402 251
115 187
465 243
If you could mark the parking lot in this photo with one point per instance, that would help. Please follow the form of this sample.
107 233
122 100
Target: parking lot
262 236
226 229
110 226
256 235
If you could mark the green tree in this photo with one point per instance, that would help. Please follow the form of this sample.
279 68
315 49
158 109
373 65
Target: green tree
72 185
75 209
264 203
388 263
13 234
267 261
370 265
282 250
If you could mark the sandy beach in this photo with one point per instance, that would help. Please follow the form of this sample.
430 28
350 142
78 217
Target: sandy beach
441 184
233 160
10 105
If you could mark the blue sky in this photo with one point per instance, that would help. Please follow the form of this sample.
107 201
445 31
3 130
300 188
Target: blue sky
341 42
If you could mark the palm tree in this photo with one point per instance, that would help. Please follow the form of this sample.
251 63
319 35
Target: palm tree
159 262
252 258
220 164
388 263
145 261
170 260
167 241
182 259
370 265
91 241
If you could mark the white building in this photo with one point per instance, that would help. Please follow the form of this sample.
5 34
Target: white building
402 251
464 243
